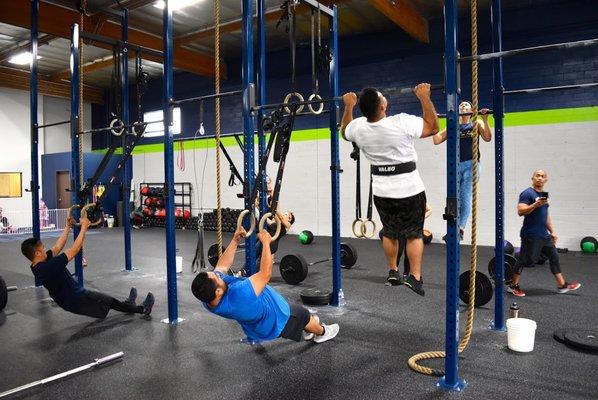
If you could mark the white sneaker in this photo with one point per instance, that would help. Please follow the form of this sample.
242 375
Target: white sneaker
330 332
308 335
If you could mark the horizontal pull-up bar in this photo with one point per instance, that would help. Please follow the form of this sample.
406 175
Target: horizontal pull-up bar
206 97
403 90
489 112
114 42
550 88
526 50
318 6
53 124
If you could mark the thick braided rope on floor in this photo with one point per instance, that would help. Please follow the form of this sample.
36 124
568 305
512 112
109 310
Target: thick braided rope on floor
218 127
413 361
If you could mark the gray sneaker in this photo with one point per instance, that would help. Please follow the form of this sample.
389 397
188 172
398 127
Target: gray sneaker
132 296
148 304
308 335
330 332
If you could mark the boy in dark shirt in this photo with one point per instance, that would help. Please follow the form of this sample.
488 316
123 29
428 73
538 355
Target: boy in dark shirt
49 266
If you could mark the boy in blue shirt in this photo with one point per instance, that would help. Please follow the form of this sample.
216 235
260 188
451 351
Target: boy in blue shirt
260 310
49 266
537 235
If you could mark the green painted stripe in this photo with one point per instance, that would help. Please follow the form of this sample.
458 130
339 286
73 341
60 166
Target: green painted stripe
524 118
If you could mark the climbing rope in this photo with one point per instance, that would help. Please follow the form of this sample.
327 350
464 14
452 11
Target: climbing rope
218 128
474 215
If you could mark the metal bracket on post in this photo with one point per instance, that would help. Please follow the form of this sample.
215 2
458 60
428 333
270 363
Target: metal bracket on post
251 98
451 211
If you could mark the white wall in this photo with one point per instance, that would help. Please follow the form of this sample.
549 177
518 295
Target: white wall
566 151
15 138
58 138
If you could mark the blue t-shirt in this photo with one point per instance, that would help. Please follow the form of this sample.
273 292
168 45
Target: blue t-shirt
262 317
466 141
55 277
534 224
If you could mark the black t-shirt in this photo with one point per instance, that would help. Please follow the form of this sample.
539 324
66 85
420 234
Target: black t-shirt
55 277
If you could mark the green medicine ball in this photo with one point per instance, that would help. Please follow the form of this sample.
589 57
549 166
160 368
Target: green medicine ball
306 237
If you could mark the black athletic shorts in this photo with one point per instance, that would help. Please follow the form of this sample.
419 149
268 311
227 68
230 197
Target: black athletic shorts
297 321
402 218
94 304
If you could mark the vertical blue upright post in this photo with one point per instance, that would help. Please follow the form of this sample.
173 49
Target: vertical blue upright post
168 92
451 379
75 164
335 164
126 178
248 123
34 184
498 106
261 83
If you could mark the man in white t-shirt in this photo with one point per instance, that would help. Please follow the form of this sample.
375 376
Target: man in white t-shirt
399 193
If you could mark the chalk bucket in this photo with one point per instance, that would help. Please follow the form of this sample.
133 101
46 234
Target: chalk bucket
521 333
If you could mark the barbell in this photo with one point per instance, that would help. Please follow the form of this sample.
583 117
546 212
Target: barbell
4 293
294 268
213 252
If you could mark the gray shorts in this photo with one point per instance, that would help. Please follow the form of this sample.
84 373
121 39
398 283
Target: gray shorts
298 319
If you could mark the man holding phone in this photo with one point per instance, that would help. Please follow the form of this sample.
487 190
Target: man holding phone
537 235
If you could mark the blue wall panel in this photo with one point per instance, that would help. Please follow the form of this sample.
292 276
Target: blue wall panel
62 162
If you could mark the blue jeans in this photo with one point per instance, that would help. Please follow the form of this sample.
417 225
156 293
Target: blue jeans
466 190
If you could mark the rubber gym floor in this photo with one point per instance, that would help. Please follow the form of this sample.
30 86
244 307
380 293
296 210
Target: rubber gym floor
202 358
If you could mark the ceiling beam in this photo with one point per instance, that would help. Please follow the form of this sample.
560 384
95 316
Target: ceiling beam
87 68
57 21
271 14
19 48
19 79
405 16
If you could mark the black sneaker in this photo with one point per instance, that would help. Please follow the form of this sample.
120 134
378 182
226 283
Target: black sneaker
132 296
148 304
415 285
394 279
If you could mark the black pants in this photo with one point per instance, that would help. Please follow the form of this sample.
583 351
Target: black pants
97 305
531 249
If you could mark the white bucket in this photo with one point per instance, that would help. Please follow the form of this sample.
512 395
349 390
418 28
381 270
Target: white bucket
521 333
110 222
179 264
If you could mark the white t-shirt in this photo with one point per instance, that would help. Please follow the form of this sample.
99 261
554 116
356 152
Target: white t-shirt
387 142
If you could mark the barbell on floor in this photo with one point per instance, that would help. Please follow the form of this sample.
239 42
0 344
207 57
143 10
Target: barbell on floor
213 252
98 362
4 293
294 268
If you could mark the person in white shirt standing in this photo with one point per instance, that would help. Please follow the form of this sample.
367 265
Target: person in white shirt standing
399 192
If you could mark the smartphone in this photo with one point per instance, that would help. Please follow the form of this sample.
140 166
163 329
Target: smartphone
544 195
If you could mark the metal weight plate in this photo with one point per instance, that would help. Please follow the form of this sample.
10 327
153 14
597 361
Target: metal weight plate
348 255
483 288
509 270
315 297
293 269
3 294
582 339
213 254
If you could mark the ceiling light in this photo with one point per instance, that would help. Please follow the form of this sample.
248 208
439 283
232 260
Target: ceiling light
22 58
175 4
